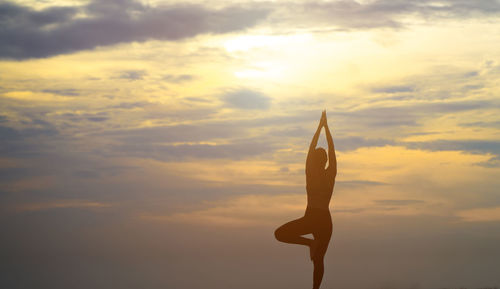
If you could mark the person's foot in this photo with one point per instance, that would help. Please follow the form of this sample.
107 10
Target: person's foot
312 248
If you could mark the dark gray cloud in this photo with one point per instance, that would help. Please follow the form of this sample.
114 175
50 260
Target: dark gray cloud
494 124
357 183
28 33
377 117
408 114
246 99
233 151
162 142
86 174
175 133
393 89
178 142
390 202
14 134
491 147
472 146
17 173
28 141
177 78
471 74
63 92
10 12
132 74
350 143
350 14
131 105
93 117
97 118
467 88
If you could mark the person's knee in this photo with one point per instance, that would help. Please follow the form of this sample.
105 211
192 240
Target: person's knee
319 257
318 260
279 234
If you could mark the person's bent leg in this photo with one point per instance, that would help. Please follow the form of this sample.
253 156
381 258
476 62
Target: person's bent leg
292 232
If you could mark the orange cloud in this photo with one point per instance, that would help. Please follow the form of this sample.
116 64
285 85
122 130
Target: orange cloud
481 215
60 204
247 210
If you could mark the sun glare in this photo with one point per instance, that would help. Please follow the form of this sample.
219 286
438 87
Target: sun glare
269 70
245 43
263 54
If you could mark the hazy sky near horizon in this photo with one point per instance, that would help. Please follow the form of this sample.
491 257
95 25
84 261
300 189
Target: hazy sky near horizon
158 144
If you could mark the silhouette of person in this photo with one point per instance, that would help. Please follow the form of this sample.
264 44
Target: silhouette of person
317 219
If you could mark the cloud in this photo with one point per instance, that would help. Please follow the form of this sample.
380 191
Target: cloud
86 174
377 117
398 202
247 210
26 142
471 74
175 133
164 152
80 204
93 117
246 99
356 183
491 147
408 114
173 78
97 118
480 215
63 92
354 142
471 146
493 124
131 105
132 74
28 33
8 174
351 15
493 162
393 89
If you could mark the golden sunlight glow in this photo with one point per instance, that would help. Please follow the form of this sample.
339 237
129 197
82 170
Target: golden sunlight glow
244 43
267 70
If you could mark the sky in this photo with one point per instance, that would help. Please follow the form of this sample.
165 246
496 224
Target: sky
159 144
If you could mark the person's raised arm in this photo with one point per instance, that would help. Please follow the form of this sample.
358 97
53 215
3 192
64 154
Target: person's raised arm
314 141
332 158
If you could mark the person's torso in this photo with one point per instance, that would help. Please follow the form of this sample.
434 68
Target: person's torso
319 189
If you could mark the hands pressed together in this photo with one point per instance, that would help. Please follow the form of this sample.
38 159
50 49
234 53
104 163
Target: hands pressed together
323 121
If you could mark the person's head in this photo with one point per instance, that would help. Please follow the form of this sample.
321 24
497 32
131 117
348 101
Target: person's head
319 158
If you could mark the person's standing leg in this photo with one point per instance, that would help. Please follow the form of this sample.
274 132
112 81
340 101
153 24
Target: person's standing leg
322 235
319 269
